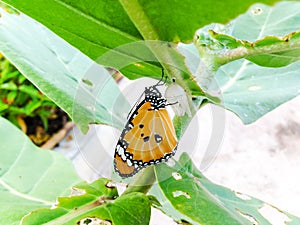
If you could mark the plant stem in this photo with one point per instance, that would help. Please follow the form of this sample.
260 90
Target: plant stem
142 182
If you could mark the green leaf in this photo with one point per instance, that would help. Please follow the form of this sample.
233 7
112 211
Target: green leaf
100 25
32 106
21 78
21 99
3 107
185 194
30 90
248 90
43 115
5 75
100 187
102 28
271 39
97 201
11 96
252 91
9 86
57 69
14 110
30 178
190 200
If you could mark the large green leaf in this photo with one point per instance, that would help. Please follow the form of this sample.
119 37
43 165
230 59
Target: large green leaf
248 89
30 177
82 88
251 91
97 202
272 38
187 195
245 88
103 26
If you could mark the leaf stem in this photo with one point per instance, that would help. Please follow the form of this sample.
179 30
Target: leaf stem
142 182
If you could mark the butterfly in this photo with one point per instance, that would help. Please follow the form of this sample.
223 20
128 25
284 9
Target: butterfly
149 135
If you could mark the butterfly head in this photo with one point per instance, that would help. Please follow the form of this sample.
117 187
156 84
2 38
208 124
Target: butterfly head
153 95
152 91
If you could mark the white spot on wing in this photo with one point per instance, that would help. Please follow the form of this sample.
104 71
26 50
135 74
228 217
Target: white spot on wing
121 153
129 163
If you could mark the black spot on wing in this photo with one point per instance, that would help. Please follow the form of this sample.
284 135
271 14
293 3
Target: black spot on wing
147 138
158 138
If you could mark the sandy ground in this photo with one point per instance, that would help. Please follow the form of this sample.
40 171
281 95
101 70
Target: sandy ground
261 159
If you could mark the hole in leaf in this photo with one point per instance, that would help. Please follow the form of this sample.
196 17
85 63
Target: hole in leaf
170 163
274 215
176 176
77 192
257 11
93 221
248 217
110 184
180 193
242 196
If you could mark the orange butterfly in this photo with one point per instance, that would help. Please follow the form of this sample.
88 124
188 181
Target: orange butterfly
148 137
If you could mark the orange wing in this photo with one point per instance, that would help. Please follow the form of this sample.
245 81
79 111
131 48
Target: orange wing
152 137
148 137
123 168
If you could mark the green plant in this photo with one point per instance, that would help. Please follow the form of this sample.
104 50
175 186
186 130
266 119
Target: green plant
249 73
20 98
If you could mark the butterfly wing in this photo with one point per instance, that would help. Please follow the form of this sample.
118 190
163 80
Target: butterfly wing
152 137
122 167
148 138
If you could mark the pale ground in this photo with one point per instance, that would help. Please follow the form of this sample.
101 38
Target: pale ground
261 159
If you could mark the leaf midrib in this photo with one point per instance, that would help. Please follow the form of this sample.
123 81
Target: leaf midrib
24 196
94 20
